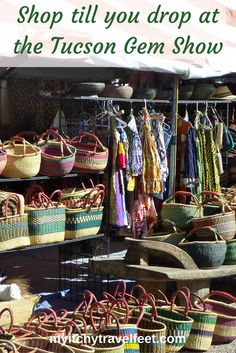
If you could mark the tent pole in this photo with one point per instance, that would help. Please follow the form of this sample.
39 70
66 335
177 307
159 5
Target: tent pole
174 125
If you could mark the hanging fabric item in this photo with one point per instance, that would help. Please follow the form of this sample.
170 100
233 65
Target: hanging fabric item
151 182
209 172
219 144
157 122
139 220
123 151
135 148
191 172
117 207
182 132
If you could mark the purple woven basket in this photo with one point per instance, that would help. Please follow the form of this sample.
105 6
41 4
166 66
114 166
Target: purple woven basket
225 330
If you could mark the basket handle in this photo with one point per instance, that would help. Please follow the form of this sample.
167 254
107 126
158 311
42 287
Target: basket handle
9 311
163 296
222 202
43 201
217 235
92 137
122 284
56 135
15 139
221 294
61 313
96 305
108 296
190 294
89 204
88 299
119 303
137 286
183 193
19 204
59 193
186 299
34 189
8 346
210 193
142 312
147 298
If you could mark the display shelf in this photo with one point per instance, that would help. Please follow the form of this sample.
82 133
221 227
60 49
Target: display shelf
132 100
63 243
44 177
102 99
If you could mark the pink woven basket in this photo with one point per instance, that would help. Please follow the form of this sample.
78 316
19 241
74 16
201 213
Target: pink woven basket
58 157
91 156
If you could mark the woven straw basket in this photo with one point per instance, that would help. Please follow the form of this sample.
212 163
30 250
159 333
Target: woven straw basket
82 222
58 157
225 329
90 156
14 229
3 160
43 344
46 219
181 214
208 251
23 159
230 257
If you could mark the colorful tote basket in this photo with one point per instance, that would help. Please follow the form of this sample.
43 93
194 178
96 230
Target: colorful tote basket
203 327
180 213
14 229
90 156
23 159
230 257
82 222
224 222
46 219
225 329
58 157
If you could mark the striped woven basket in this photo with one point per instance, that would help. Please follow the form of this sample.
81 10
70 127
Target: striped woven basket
46 219
81 222
225 329
178 326
223 222
23 159
203 327
90 156
14 229
73 196
58 157
12 205
179 213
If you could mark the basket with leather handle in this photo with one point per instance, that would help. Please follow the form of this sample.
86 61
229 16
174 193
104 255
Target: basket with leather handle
81 222
58 157
181 213
46 217
91 156
224 222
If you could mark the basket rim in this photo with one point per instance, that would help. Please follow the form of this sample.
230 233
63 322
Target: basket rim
224 305
8 148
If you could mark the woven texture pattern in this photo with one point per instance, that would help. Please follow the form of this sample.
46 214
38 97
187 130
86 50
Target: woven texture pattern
230 257
80 222
224 223
14 232
46 225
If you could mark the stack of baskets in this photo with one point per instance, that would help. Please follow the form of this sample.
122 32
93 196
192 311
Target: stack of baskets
210 224
51 155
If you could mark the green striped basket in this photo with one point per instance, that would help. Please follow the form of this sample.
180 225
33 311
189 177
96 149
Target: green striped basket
81 222
46 225
230 257
14 229
46 220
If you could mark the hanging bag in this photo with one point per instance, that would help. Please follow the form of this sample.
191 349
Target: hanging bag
91 156
180 213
